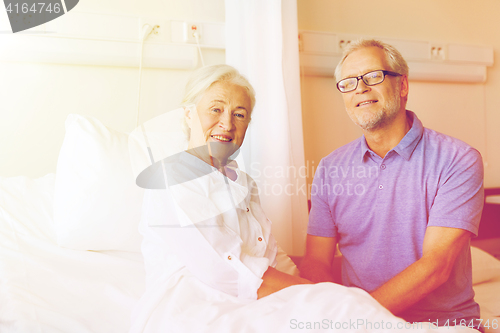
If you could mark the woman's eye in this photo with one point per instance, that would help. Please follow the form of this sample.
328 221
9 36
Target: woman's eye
216 110
239 115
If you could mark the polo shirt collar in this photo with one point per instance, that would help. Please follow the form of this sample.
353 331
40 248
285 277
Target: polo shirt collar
409 142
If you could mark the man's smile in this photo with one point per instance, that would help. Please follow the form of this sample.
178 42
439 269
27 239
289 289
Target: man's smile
366 102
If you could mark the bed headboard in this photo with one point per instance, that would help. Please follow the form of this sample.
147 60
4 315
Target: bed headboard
491 191
489 226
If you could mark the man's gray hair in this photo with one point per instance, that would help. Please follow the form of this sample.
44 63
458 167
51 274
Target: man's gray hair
395 60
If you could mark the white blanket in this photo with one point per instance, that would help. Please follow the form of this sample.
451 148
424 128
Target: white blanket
187 305
45 288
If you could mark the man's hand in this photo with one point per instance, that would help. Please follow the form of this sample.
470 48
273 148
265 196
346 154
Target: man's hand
317 264
440 250
275 280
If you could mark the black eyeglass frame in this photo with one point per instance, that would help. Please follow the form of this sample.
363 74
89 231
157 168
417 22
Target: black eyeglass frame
362 77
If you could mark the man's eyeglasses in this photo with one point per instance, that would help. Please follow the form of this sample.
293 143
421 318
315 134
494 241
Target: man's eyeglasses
370 79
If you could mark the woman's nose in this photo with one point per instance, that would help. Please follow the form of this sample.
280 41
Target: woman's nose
226 121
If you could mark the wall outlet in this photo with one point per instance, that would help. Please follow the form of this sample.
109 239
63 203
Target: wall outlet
158 34
210 34
438 52
343 42
190 29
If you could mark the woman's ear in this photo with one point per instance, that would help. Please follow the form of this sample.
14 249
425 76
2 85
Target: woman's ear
188 114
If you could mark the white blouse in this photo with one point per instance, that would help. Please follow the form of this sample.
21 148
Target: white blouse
213 226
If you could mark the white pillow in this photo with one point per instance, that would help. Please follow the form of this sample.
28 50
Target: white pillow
97 205
484 266
157 138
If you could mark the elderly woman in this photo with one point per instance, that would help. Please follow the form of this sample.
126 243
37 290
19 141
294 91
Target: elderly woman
205 233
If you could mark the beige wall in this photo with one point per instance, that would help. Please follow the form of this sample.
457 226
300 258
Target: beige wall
466 111
36 98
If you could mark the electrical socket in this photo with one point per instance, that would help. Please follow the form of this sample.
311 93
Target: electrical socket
343 42
438 51
189 29
158 34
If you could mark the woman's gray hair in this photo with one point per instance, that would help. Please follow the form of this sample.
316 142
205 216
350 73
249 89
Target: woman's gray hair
204 77
395 60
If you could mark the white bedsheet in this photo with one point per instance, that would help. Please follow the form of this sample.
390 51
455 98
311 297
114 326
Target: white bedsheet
488 297
45 288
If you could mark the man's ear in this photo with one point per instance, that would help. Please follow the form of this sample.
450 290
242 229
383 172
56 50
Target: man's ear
404 86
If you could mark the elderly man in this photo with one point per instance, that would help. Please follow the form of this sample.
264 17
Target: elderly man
402 201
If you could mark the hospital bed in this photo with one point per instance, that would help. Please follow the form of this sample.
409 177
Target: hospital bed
70 257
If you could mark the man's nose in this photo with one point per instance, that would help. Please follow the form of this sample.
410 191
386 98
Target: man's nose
362 86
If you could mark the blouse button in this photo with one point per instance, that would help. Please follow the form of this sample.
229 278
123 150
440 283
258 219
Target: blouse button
260 239
248 209
229 258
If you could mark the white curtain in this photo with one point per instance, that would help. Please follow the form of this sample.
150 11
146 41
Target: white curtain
262 43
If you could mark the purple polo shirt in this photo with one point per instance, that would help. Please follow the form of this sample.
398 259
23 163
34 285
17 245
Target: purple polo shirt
379 209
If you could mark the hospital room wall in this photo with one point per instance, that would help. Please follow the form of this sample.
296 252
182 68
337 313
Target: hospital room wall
35 99
469 112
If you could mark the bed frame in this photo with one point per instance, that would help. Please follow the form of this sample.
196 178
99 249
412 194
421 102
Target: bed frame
490 219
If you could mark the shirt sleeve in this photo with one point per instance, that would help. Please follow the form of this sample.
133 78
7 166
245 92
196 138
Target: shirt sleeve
202 227
459 200
321 221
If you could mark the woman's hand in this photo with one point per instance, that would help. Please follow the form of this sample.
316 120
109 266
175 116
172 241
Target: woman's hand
275 280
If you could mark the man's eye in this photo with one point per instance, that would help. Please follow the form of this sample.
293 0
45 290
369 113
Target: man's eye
374 75
348 83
